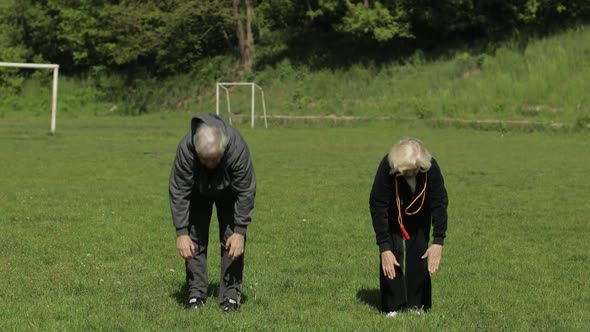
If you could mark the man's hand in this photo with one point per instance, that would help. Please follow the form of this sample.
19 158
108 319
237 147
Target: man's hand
434 254
388 263
235 245
185 246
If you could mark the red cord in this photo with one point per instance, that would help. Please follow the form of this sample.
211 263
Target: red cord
400 220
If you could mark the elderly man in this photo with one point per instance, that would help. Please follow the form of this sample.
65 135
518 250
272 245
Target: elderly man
407 198
212 166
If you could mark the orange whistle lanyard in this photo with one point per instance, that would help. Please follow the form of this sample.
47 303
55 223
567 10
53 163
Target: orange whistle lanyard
407 211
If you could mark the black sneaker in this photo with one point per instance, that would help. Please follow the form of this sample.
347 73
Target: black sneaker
196 303
230 305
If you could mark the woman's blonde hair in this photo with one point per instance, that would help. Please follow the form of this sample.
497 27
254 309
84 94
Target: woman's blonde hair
408 154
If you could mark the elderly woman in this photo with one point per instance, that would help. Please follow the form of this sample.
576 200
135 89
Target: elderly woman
408 196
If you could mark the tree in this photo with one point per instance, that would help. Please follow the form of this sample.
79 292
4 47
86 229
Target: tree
377 21
244 35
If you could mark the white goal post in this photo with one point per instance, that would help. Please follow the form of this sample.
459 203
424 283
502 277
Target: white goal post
55 74
253 86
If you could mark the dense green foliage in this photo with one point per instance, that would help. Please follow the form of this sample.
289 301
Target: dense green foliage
171 37
87 35
87 242
544 84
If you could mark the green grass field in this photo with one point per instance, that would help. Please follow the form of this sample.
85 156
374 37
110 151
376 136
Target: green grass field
87 241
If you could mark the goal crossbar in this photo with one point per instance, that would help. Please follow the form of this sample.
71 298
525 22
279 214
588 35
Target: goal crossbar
55 76
254 86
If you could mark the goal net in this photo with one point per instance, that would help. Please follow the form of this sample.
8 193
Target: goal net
55 69
253 87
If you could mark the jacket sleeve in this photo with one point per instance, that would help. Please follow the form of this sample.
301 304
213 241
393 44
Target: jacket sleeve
243 184
379 204
438 203
181 185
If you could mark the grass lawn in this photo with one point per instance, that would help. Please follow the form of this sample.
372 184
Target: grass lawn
87 242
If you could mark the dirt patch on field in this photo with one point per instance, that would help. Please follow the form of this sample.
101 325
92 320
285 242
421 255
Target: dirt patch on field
523 124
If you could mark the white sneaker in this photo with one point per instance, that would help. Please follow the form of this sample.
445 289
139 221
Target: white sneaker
391 314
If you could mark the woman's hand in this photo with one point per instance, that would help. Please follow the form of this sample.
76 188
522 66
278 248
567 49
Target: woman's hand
434 255
388 263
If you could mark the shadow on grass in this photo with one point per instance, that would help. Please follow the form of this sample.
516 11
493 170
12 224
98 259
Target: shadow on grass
181 295
370 297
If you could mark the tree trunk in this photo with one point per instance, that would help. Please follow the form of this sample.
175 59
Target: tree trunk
249 57
226 38
245 38
308 19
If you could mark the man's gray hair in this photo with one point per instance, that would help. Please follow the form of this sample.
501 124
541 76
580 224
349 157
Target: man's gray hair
409 154
209 141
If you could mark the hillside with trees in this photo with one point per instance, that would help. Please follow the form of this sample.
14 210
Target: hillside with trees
165 55
170 37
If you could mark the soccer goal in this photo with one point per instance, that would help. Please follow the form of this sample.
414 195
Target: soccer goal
253 87
55 74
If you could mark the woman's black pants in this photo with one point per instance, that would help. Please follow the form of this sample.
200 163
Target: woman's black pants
412 288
